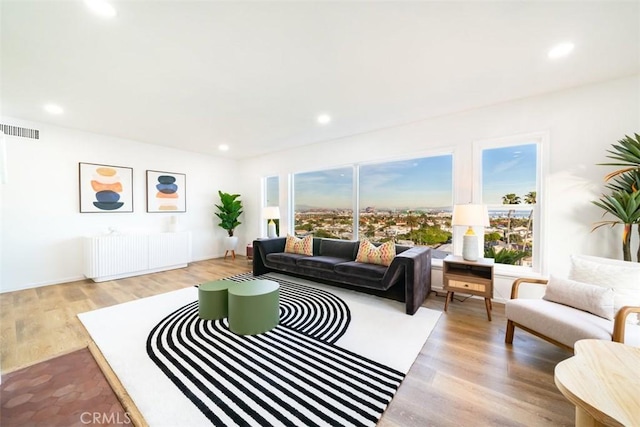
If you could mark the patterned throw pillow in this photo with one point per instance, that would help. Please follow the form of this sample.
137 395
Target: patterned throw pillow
382 255
302 246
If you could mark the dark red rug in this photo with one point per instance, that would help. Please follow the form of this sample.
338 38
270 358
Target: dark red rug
69 390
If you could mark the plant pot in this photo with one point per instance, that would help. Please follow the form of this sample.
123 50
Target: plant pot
230 243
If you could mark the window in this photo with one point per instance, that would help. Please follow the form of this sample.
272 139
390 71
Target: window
510 189
323 203
272 198
272 191
408 201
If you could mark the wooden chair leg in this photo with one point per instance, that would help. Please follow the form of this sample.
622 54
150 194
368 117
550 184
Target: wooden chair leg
508 336
447 299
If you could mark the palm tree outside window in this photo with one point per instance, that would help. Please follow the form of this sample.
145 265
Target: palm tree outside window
509 176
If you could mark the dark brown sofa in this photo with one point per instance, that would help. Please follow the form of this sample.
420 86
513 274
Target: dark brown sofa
407 279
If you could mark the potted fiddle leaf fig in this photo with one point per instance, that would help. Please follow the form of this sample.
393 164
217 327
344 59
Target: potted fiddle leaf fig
229 210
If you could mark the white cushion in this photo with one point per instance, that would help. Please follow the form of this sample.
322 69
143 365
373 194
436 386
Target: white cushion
595 299
560 322
621 276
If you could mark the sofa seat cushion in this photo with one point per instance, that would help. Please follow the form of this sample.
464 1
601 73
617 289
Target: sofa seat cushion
320 262
285 258
559 322
359 269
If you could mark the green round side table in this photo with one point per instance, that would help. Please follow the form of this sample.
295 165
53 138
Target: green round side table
213 299
254 307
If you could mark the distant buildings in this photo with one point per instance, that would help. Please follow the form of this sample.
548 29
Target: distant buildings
400 226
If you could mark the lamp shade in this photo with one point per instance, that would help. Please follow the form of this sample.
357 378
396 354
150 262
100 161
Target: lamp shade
470 215
271 212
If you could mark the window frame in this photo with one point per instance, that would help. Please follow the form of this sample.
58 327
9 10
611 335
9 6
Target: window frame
541 139
264 201
356 184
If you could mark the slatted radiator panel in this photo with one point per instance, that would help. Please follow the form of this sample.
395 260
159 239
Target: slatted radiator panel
115 256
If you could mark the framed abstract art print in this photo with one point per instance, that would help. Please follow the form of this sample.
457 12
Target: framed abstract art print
105 188
166 191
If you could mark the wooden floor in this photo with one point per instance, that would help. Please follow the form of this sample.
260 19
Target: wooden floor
464 375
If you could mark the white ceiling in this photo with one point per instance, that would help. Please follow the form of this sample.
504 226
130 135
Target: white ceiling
255 75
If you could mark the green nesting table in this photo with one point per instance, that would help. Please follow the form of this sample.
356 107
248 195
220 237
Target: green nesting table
254 307
213 301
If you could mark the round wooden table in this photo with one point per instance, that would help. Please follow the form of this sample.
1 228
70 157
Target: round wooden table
603 380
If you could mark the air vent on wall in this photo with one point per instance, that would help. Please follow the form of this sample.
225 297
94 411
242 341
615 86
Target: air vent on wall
18 131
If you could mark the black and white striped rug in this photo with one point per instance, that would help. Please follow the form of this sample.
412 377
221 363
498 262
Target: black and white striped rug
292 375
308 371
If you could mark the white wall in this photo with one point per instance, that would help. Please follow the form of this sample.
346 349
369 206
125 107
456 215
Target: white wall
41 224
581 123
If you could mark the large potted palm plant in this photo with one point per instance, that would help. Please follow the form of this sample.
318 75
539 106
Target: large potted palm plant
624 201
229 211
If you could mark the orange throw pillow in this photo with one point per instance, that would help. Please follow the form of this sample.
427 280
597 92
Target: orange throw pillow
302 246
370 254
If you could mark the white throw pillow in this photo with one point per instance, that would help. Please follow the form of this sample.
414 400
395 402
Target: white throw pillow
592 298
621 276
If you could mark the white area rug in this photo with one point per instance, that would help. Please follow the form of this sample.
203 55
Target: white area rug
337 357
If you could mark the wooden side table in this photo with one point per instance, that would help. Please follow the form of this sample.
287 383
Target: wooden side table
602 380
469 277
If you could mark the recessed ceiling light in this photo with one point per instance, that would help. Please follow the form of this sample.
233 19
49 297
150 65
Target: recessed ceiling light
223 147
323 119
560 50
101 7
53 109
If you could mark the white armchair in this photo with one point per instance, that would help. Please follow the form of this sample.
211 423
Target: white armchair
599 300
563 325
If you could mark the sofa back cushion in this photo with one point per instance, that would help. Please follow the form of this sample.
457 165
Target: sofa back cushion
338 248
383 254
295 245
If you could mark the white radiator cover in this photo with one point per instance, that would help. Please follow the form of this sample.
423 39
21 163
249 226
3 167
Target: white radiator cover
112 257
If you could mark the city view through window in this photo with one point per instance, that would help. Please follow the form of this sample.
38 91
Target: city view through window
509 183
410 202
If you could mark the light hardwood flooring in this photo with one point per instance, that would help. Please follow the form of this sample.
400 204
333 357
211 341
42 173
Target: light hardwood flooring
464 376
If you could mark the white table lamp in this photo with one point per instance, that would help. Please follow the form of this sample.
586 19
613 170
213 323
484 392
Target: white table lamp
470 215
271 213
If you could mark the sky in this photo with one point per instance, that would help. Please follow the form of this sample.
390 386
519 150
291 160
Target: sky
508 170
423 182
417 183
